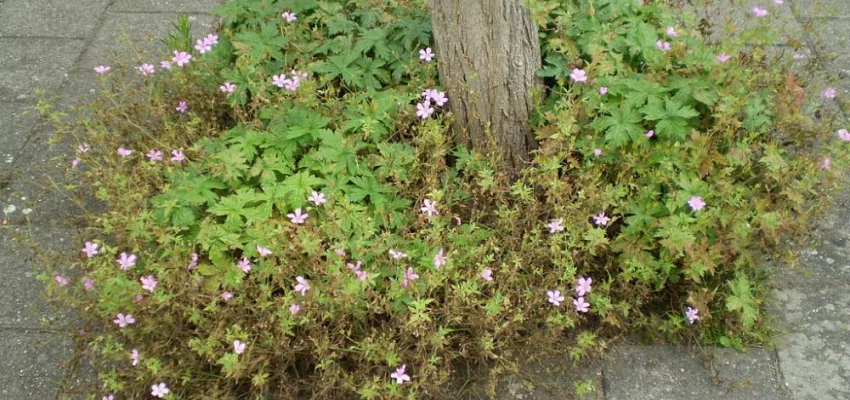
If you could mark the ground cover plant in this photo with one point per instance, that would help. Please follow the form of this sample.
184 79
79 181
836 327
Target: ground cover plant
286 214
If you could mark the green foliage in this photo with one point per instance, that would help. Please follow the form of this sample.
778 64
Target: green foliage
722 133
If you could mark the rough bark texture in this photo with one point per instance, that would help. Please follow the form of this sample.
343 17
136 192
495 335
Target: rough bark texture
488 54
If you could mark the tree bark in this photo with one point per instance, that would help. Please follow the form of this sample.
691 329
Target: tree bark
488 55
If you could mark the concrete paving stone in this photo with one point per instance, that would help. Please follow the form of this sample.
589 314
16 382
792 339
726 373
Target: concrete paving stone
664 372
729 18
34 355
821 8
550 376
135 38
814 345
39 388
21 302
830 37
16 121
30 64
50 18
185 6
38 182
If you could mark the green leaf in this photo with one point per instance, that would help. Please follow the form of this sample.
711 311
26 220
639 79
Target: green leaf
671 117
621 127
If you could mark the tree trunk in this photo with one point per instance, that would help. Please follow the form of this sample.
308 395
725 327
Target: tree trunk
488 55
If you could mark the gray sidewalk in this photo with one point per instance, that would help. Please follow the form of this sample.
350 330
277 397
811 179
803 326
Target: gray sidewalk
54 44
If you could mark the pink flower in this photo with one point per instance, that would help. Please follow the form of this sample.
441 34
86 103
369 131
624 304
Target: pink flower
108 397
154 155
662 45
279 80
671 31
301 286
601 219
759 12
90 249
294 309
723 58
123 320
146 69
829 93
429 208
182 107
292 83
487 274
424 110
134 357
211 39
149 283
264 252
124 152
603 90
355 267
843 135
439 98
125 261
165 64
584 286
340 252
61 280
692 314
556 225
826 163
83 148
399 375
244 264
227 87
555 297
181 58
238 347
193 263
89 284
578 75
409 276
75 163
440 258
581 305
426 54
102 69
397 255
696 203
297 217
317 198
177 156
226 295
779 2
202 46
289 16
597 152
650 133
160 390
362 274
139 298
798 56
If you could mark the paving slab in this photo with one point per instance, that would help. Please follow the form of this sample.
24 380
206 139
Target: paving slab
30 64
34 354
548 376
662 372
821 8
135 38
50 18
814 344
38 388
21 302
16 121
185 6
728 20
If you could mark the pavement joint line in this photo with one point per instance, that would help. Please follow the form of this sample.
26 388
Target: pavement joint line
83 38
190 13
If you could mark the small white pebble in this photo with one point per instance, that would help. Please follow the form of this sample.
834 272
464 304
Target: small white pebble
829 260
26 211
9 209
